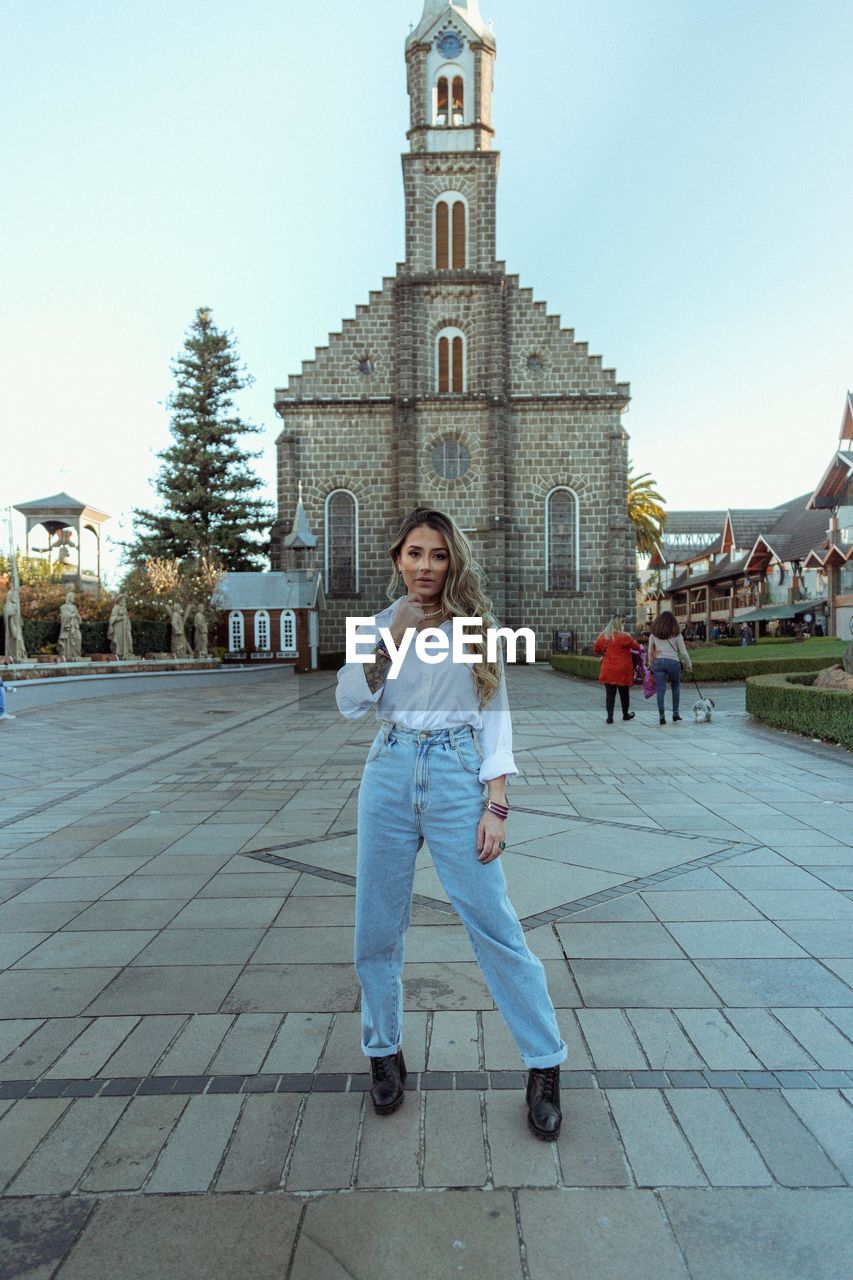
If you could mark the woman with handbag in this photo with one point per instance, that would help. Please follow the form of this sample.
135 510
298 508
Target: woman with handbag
667 654
445 732
617 667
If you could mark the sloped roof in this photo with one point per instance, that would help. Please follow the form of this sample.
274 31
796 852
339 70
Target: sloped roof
468 11
702 523
296 589
58 502
727 568
834 486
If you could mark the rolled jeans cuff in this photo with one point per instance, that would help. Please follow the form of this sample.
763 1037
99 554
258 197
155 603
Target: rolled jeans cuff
549 1059
380 1053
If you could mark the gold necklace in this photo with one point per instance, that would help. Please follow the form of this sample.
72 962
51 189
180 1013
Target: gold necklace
437 613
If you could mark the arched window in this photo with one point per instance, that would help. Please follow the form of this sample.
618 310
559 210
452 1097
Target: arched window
442 101
458 101
262 630
562 538
449 99
236 638
451 232
450 363
288 631
341 543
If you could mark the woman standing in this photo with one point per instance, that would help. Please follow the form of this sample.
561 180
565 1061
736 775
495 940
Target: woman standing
446 730
617 668
667 652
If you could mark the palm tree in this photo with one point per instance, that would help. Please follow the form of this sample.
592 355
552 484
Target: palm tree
646 511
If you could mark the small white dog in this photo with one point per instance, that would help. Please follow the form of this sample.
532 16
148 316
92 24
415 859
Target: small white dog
702 710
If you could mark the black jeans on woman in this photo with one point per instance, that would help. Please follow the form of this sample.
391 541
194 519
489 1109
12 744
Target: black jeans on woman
610 699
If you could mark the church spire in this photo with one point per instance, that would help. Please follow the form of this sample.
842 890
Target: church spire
300 537
467 10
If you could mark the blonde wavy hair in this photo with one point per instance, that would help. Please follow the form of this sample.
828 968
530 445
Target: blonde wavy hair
463 595
616 623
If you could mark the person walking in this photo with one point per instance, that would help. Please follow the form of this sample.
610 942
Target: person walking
445 732
667 654
617 667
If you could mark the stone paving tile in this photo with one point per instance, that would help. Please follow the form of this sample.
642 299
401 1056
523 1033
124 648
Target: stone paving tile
618 941
727 938
454 1041
516 1160
228 913
92 1048
299 1043
32 1244
147 1042
141 887
194 1048
769 1040
656 1150
663 1041
87 949
195 1148
787 1148
822 938
224 885
193 1237
41 1048
659 984
784 904
389 1154
589 1150
630 907
16 946
774 982
819 1036
325 1145
328 910
51 993
826 1115
716 1040
38 917
22 1128
453 1140
14 1032
69 889
200 947
246 1044
166 989
449 1233
289 988
843 968
770 1234
259 1148
126 1158
726 1155
610 1039
603 1235
150 914
62 1157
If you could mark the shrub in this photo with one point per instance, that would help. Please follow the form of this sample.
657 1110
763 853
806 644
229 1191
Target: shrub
39 634
735 643
791 702
703 668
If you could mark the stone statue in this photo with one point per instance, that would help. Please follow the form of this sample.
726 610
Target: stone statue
15 647
70 640
200 632
119 632
178 617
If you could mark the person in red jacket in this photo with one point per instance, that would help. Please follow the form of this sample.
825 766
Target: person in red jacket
617 667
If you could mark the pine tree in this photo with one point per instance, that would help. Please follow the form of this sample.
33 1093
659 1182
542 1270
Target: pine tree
207 487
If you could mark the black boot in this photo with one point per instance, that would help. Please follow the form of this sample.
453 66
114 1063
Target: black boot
543 1102
389 1077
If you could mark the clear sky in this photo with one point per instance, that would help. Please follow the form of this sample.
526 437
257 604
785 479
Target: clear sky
676 182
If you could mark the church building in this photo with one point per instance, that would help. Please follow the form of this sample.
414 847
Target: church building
453 388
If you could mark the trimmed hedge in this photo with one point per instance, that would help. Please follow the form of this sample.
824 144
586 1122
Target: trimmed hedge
736 644
575 664
791 702
149 636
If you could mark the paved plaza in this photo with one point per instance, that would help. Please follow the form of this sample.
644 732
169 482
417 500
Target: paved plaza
182 1092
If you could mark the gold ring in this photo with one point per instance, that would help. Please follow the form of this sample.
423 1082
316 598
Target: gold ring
502 844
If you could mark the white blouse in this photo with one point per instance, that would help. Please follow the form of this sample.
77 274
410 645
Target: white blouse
425 695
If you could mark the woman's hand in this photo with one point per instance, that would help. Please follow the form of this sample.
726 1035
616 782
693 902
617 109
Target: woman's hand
490 833
410 613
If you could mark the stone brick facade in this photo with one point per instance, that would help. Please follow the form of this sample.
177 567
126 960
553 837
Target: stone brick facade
538 411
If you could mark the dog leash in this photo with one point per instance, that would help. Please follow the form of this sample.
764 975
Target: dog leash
696 683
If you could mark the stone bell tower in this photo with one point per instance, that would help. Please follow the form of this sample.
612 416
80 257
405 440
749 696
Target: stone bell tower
454 388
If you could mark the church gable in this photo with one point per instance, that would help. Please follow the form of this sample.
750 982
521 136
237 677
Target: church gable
545 359
356 363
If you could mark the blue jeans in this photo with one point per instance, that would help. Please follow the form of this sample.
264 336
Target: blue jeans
424 786
663 668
